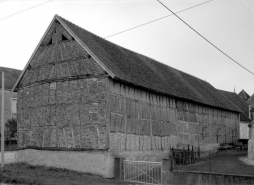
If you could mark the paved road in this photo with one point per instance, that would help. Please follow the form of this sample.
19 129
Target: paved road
9 157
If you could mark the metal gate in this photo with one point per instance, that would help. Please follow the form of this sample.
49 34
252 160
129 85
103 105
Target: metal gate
143 172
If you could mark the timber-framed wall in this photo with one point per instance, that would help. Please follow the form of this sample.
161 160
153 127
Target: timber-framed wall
143 120
62 97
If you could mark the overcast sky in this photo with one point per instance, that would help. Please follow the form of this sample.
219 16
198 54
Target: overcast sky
228 24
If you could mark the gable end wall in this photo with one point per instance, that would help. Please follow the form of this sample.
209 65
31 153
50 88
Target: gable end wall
62 97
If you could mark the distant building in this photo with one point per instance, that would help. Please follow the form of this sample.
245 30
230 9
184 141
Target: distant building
245 118
251 103
251 142
10 99
244 95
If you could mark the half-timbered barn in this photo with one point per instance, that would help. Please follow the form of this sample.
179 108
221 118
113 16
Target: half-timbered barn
82 101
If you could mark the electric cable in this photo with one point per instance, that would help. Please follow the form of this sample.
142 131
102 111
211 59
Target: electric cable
25 10
156 19
206 39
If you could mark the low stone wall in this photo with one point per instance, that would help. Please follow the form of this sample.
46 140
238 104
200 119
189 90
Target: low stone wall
95 162
198 178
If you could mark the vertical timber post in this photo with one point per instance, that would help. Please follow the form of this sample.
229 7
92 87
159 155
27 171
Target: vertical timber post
172 158
210 164
2 121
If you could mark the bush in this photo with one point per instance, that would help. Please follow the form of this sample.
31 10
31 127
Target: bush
11 129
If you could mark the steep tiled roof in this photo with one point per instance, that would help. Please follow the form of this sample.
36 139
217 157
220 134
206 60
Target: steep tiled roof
244 95
10 76
240 103
145 72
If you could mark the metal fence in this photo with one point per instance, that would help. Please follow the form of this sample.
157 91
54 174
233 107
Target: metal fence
143 172
186 156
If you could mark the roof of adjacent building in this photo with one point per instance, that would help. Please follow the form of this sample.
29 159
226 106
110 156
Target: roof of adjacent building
10 77
244 95
141 71
251 100
240 103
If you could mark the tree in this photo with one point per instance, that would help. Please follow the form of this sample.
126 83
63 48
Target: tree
11 129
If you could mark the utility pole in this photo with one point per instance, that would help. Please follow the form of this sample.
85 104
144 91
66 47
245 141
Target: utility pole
2 126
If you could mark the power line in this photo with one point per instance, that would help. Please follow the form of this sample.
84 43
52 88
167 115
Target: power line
24 10
206 39
156 20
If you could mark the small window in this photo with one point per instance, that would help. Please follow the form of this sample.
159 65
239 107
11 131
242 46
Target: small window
64 38
14 105
50 42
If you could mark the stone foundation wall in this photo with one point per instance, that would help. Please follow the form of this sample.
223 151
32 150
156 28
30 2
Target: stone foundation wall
95 162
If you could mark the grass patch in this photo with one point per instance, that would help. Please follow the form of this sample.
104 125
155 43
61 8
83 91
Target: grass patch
227 163
22 173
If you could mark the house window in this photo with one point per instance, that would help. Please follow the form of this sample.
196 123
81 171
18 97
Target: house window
14 106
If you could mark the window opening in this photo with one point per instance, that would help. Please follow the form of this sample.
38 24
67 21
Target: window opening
64 38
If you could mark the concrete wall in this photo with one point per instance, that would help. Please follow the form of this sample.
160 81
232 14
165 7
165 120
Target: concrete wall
191 178
95 162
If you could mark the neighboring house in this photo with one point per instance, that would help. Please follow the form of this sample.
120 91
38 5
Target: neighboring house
82 93
244 117
244 95
250 101
251 142
10 99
